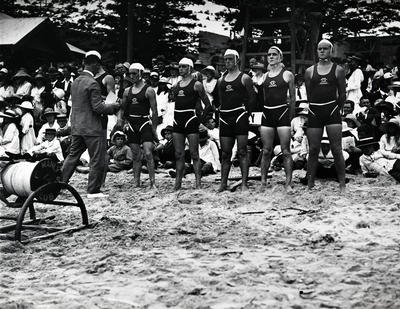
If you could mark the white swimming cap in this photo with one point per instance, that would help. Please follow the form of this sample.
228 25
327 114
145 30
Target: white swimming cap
233 52
186 61
279 51
93 53
136 66
325 41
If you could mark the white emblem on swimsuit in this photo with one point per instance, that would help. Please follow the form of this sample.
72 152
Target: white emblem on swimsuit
181 93
272 84
229 88
135 101
324 81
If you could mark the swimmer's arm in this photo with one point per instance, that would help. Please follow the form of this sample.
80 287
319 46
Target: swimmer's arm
341 78
248 83
289 78
151 95
198 87
120 114
307 80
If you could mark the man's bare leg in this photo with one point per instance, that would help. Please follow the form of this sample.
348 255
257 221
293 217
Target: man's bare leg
243 159
284 134
335 139
267 138
226 149
179 144
314 136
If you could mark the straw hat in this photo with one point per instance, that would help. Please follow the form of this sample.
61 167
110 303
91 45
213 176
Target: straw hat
258 65
164 80
211 69
49 111
9 113
62 116
22 73
59 93
167 128
26 105
50 131
366 141
118 134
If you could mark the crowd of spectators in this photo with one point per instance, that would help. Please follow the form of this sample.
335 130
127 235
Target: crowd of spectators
35 106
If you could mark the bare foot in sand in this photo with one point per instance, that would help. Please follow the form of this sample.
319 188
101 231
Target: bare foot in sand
244 188
289 189
222 188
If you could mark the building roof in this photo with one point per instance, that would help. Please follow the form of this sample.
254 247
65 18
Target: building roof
13 30
75 49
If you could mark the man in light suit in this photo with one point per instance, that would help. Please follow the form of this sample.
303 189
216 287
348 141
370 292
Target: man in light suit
88 125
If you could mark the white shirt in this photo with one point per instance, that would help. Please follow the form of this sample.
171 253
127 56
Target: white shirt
28 138
209 153
6 92
353 89
36 92
11 135
24 89
209 88
376 162
49 147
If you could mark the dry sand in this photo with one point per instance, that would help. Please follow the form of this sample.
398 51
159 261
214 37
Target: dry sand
201 249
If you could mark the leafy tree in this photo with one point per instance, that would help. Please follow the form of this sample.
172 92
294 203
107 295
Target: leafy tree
159 27
341 18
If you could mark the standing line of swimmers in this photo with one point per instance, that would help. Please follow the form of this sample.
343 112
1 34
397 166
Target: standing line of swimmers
325 85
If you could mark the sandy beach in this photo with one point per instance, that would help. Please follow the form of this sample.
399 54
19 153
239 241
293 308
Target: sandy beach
203 249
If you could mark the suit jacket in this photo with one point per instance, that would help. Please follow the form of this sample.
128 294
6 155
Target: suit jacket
89 112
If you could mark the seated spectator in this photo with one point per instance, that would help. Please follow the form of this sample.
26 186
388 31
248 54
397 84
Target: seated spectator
121 157
370 115
348 108
64 133
213 132
51 123
165 149
9 142
6 88
50 147
22 84
349 139
372 162
326 164
60 105
298 122
389 144
209 155
27 127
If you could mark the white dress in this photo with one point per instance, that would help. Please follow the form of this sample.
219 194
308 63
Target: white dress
28 138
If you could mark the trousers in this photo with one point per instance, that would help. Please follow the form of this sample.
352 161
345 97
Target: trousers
97 148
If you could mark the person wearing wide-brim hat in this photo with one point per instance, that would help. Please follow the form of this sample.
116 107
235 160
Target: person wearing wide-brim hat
6 88
27 127
50 115
372 162
210 83
9 143
169 129
121 156
198 65
210 70
22 83
174 73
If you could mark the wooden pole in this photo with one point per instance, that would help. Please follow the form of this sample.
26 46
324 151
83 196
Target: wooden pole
245 38
293 38
129 45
